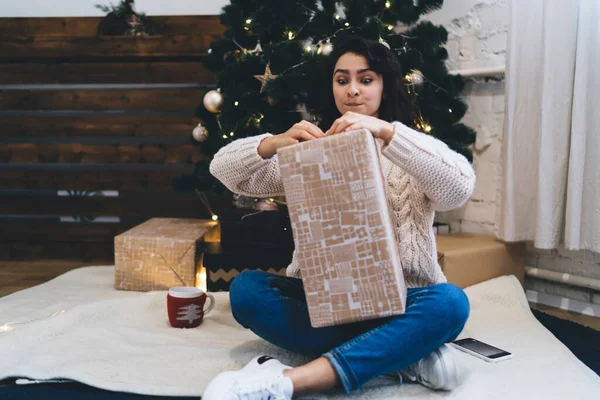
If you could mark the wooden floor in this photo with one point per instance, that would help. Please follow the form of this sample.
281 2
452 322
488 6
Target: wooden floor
592 322
19 275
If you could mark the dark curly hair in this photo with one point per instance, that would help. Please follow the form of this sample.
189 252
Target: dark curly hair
395 103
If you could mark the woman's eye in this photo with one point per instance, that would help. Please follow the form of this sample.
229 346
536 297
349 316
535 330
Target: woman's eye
365 81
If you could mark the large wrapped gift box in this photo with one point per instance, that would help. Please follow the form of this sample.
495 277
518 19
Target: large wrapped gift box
345 242
222 264
160 253
467 258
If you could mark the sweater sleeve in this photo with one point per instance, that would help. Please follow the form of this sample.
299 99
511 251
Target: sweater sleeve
445 176
243 171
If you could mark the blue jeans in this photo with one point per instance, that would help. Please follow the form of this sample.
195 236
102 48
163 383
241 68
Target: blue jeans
274 307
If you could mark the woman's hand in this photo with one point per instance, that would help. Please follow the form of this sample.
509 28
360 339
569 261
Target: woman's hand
301 131
351 121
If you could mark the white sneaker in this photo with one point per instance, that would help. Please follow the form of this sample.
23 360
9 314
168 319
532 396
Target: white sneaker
261 379
439 370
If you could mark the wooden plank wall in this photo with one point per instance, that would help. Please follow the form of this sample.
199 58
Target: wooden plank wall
93 129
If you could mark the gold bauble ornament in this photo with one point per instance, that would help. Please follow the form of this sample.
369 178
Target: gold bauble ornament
200 133
416 77
386 44
327 49
213 101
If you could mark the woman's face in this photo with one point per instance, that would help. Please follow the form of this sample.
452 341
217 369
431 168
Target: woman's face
355 87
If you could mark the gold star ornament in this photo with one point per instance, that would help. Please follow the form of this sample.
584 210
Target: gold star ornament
265 78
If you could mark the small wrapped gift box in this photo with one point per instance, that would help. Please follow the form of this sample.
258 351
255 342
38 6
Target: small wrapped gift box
160 253
343 233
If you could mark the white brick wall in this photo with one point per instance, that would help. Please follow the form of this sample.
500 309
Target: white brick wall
485 114
558 289
477 38
477 32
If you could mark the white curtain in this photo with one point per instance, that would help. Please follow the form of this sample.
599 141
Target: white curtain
550 189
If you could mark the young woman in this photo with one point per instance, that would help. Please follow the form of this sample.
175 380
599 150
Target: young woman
423 175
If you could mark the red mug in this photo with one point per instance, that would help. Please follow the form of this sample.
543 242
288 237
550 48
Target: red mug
186 306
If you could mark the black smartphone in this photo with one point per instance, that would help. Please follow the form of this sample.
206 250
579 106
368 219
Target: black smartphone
481 350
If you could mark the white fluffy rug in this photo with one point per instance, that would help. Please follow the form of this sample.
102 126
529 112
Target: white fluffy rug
121 341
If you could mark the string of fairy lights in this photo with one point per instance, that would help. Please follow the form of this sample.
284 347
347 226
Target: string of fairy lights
9 326
213 99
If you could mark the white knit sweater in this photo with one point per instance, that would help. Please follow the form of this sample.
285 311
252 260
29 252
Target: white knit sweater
423 175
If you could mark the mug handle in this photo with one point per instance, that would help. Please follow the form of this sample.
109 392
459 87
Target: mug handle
212 303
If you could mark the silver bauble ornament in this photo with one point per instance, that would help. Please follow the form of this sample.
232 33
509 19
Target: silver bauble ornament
327 49
416 77
266 205
213 101
200 133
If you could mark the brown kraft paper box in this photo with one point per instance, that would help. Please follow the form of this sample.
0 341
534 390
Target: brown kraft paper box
160 253
467 259
345 242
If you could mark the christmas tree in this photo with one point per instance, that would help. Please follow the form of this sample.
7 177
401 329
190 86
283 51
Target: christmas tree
268 68
122 19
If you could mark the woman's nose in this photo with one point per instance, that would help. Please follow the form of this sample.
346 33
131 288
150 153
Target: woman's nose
352 91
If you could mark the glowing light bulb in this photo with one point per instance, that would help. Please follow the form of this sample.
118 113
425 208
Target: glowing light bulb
388 4
248 21
201 278
215 217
